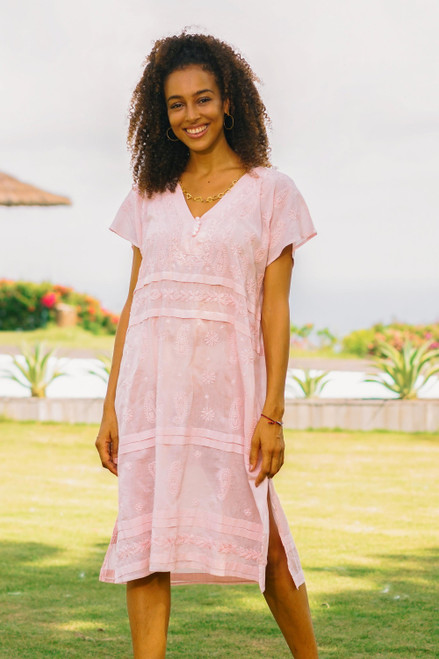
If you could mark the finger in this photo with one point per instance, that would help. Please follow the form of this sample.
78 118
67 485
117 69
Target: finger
282 459
105 453
273 465
277 457
111 467
276 462
108 462
254 452
114 445
264 470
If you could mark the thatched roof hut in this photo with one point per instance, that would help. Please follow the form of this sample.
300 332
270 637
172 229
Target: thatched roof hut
16 193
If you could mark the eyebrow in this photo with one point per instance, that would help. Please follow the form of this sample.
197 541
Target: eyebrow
201 91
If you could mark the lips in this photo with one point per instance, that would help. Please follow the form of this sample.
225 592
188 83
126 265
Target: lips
196 131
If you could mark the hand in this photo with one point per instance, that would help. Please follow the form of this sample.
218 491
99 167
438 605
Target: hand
107 441
267 438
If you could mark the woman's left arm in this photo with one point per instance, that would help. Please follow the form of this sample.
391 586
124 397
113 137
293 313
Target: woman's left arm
267 437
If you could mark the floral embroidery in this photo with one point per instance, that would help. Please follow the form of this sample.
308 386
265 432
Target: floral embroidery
232 357
250 287
175 476
247 512
248 356
207 414
292 214
277 232
224 478
223 547
128 549
211 338
208 377
280 197
219 261
196 293
235 413
182 340
127 414
151 469
149 406
182 403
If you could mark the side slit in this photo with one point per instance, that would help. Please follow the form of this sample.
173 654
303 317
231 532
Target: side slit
290 552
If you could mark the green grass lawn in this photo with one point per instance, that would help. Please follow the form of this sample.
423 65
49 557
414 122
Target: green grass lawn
60 337
363 508
79 339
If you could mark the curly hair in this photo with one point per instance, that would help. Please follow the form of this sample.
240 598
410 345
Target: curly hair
156 162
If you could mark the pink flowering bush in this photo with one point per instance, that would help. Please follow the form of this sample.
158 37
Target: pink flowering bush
28 305
49 300
367 341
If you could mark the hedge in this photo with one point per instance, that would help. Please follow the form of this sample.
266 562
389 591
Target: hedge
27 305
366 341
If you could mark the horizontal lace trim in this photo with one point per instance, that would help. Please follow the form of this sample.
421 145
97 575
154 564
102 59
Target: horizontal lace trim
211 521
171 288
187 277
126 549
180 436
202 314
193 564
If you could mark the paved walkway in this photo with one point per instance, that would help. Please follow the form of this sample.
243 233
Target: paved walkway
318 363
330 364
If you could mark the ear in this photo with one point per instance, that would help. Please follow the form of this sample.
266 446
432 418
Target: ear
226 106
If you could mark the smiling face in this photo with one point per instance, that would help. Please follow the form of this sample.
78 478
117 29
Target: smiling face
195 108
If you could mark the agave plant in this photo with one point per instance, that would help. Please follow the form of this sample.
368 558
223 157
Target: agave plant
35 373
104 366
405 371
311 385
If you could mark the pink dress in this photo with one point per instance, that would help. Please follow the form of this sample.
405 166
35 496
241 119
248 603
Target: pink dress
192 385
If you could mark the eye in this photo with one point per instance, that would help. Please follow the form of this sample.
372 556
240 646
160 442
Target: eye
204 99
176 106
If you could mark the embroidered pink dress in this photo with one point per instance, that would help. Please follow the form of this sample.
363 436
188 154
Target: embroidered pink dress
192 385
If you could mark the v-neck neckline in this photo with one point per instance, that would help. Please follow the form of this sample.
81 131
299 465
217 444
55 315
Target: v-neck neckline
209 210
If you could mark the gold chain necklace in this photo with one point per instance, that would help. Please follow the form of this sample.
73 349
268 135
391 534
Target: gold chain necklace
211 198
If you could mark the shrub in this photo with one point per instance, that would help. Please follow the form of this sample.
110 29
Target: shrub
368 341
406 370
35 373
104 367
27 306
311 385
22 305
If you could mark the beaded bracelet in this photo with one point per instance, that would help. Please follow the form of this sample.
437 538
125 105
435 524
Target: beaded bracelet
272 421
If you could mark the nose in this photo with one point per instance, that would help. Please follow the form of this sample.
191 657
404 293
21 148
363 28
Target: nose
192 112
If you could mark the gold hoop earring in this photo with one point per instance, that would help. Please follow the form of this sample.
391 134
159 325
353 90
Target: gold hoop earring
170 138
232 122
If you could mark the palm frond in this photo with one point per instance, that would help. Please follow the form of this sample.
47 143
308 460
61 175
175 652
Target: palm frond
36 370
405 368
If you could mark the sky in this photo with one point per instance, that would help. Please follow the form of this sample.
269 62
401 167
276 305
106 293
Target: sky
351 88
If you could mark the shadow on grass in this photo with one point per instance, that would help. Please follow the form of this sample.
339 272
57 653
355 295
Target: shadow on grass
394 613
52 607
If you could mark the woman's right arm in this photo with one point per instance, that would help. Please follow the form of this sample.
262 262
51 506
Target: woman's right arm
107 441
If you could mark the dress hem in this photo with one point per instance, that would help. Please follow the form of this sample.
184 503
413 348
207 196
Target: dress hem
196 578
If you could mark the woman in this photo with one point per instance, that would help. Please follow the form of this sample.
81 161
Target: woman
192 421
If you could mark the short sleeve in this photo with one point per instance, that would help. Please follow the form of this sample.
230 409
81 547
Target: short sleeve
290 221
127 222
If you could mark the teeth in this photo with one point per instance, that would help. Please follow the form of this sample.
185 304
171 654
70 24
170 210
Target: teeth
194 131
